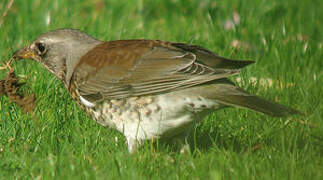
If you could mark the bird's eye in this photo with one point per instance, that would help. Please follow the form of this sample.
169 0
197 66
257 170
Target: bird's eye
41 47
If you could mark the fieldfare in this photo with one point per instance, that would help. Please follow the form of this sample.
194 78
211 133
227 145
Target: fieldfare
146 89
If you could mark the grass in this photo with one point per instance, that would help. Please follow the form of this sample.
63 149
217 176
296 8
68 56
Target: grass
59 141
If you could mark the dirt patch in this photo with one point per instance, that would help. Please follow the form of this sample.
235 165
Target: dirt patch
10 87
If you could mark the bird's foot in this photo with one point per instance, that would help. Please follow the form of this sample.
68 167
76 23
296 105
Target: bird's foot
133 144
185 149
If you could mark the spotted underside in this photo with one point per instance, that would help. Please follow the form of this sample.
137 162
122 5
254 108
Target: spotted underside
147 117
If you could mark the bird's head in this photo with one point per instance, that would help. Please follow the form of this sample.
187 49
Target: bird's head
58 51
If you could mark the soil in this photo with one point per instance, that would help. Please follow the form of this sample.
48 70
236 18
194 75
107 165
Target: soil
9 86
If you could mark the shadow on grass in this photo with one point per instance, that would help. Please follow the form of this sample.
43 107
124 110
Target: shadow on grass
203 141
289 139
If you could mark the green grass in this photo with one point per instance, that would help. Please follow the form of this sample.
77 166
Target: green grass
59 141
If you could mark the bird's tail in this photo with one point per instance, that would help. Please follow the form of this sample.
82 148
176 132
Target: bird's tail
231 95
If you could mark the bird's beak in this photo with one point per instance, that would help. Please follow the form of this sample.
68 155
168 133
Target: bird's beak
26 53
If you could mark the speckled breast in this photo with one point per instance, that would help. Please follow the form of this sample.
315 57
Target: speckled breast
147 117
129 110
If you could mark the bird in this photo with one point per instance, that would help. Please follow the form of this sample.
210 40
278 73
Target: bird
145 89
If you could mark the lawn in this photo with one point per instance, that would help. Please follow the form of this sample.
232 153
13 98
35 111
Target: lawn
59 141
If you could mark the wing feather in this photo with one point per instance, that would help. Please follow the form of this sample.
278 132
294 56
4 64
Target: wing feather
157 70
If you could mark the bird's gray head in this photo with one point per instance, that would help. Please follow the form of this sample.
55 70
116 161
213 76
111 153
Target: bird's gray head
59 51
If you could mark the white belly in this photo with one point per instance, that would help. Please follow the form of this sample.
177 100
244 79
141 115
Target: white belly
151 117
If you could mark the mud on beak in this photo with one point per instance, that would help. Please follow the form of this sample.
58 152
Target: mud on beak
26 53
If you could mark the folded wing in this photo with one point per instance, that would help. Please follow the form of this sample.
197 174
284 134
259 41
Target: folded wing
145 68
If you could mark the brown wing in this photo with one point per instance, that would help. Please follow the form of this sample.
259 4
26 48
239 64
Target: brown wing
121 69
211 59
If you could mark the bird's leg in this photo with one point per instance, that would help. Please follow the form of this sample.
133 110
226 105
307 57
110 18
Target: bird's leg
182 141
185 146
133 144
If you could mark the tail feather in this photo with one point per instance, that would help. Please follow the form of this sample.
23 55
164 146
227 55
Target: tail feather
234 96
